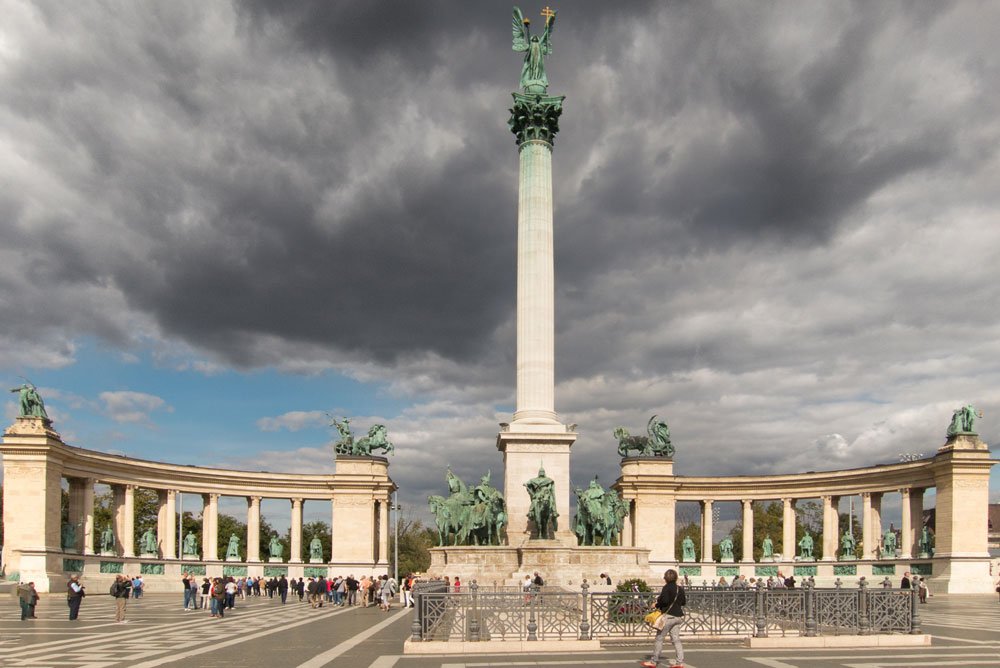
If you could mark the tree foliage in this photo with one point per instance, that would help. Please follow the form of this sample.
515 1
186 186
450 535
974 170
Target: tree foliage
309 531
415 542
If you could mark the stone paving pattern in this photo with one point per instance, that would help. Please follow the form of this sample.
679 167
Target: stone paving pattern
262 632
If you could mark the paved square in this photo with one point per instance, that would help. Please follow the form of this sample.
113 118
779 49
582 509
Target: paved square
262 632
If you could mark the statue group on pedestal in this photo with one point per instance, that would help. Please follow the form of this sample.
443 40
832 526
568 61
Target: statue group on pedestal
963 420
469 516
30 403
600 515
656 443
377 439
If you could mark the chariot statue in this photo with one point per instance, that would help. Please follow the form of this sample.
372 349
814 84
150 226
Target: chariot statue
377 439
655 444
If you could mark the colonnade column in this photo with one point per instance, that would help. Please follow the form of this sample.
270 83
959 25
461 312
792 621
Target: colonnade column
296 531
877 521
867 535
906 529
253 528
788 529
166 523
81 513
916 518
125 518
210 526
831 527
747 531
706 530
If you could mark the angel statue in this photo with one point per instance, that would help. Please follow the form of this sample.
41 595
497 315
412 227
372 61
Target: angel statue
533 79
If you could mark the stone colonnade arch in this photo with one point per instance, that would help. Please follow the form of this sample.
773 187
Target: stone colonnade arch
35 460
959 473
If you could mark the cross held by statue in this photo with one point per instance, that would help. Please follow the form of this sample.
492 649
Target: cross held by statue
548 14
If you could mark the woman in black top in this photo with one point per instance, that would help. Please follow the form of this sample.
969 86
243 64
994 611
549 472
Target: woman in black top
670 602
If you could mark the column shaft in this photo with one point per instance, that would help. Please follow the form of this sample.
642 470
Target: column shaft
628 540
77 487
88 516
748 531
916 518
831 527
868 522
535 287
167 527
296 531
253 528
210 526
706 531
906 528
128 522
788 529
876 522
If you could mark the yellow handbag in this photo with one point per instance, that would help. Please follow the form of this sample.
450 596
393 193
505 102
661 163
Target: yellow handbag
652 617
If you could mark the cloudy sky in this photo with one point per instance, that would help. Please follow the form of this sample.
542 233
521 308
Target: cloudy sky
776 226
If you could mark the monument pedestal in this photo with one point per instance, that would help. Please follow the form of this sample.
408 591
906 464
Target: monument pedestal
275 560
147 555
526 448
190 557
557 564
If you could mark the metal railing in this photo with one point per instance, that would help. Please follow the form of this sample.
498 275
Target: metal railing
474 614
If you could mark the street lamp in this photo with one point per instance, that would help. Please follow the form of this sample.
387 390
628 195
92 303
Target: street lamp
395 507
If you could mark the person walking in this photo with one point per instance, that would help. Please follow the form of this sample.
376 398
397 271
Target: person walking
670 603
74 596
34 600
186 584
283 589
922 590
119 591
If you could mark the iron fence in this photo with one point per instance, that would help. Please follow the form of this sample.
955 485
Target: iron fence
474 614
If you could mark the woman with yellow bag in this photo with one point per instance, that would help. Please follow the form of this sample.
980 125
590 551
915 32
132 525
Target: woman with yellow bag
667 617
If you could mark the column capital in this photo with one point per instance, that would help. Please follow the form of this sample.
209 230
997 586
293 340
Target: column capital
172 493
296 501
787 500
866 495
747 502
254 499
535 117
905 492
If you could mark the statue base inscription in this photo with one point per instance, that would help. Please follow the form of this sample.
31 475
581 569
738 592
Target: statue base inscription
190 557
726 560
805 558
147 555
233 559
275 560
689 561
108 553
316 561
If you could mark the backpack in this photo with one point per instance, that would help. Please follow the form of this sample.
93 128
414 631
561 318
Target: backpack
116 589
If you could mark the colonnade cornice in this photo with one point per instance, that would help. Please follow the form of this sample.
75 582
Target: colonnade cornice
121 470
886 478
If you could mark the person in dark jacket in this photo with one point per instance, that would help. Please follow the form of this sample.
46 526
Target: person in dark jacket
670 602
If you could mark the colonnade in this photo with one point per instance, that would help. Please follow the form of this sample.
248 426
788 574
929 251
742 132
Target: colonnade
36 461
958 473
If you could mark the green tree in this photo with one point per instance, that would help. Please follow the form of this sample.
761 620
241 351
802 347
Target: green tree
147 510
266 532
690 529
415 542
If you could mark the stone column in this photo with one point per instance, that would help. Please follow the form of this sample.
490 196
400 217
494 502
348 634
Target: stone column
125 520
916 518
748 531
868 522
788 529
296 531
877 522
89 527
78 513
210 526
906 526
706 530
253 528
831 527
383 538
628 539
166 523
